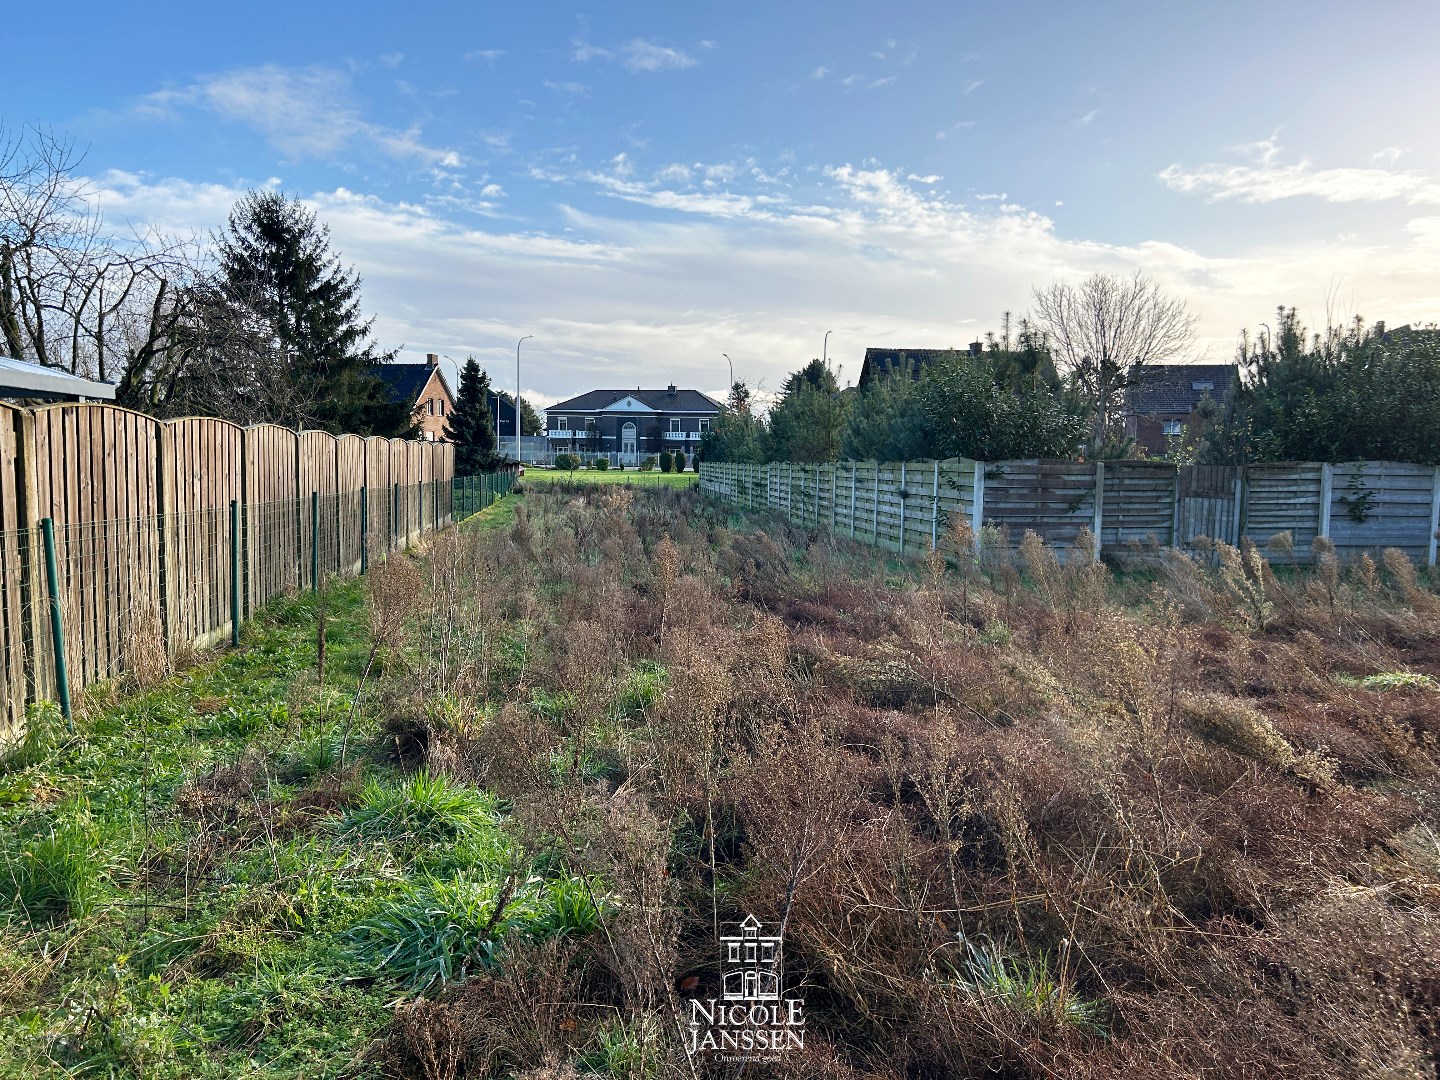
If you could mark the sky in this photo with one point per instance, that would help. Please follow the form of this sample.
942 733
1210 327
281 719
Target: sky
645 187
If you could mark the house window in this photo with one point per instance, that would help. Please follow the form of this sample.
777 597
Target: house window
562 423
704 425
1173 427
431 405
674 423
442 406
1202 386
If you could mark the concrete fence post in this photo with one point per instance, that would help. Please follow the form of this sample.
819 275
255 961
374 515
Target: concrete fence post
1327 492
935 508
1434 516
1099 504
977 504
902 493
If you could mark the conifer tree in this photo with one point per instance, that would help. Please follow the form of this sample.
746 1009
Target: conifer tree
470 425
277 264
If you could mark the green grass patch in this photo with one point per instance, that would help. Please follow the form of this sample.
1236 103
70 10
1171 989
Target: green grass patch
535 474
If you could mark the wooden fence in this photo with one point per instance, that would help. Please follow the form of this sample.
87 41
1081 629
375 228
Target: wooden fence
1362 506
162 528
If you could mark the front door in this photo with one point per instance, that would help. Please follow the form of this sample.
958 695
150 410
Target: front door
627 444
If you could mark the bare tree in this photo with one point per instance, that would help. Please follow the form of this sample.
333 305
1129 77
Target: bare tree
1104 331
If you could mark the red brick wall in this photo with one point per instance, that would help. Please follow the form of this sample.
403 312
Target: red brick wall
434 397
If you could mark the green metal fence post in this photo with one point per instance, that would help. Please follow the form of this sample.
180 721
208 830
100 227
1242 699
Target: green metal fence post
235 572
364 529
57 629
314 541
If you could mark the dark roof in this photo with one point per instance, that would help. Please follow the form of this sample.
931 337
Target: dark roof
659 400
405 381
1177 388
880 363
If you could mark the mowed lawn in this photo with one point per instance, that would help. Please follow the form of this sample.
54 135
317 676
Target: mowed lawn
535 474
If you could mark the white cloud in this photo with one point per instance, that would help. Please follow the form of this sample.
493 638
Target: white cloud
933 178
1266 178
708 44
877 256
570 89
1083 121
302 112
882 82
820 72
959 125
971 86
1390 154
990 196
488 55
392 60
636 56
492 191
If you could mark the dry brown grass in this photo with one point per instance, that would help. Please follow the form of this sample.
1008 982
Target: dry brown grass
1165 794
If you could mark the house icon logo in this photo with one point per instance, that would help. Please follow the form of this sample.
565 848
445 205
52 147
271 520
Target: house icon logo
750 959
751 1020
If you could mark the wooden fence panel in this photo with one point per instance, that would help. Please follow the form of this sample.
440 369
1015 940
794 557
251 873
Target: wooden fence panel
1207 504
1053 499
96 478
1282 497
1381 504
15 537
1139 504
273 518
201 462
350 478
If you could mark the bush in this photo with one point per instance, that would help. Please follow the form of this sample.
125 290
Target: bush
695 461
601 464
568 462
679 460
667 462
648 464
423 806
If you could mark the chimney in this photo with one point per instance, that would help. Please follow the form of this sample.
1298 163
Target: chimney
976 347
672 388
432 359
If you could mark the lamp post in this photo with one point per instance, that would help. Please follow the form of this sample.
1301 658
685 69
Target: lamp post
825 349
726 355
524 339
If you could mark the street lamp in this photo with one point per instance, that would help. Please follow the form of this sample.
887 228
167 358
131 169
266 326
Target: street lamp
526 338
825 349
726 355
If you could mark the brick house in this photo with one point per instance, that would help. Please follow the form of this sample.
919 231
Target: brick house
1160 402
424 388
631 424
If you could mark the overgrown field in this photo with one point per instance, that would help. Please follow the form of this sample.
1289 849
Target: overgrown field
1017 819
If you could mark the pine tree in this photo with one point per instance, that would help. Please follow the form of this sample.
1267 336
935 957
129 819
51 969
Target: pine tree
470 425
277 264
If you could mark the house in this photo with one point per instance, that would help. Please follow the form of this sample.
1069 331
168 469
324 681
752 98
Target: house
1163 397
630 424
882 363
424 388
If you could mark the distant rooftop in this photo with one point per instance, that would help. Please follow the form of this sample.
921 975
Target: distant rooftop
22 379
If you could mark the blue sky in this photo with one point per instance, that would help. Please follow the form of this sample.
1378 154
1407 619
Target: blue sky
646 186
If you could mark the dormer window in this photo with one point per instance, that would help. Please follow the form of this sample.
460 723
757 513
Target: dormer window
1202 385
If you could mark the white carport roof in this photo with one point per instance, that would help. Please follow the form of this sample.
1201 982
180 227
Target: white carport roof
22 379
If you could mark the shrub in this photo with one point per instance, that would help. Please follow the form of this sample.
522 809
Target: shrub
441 931
601 464
667 461
1028 987
424 807
648 464
695 461
52 876
679 460
568 462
